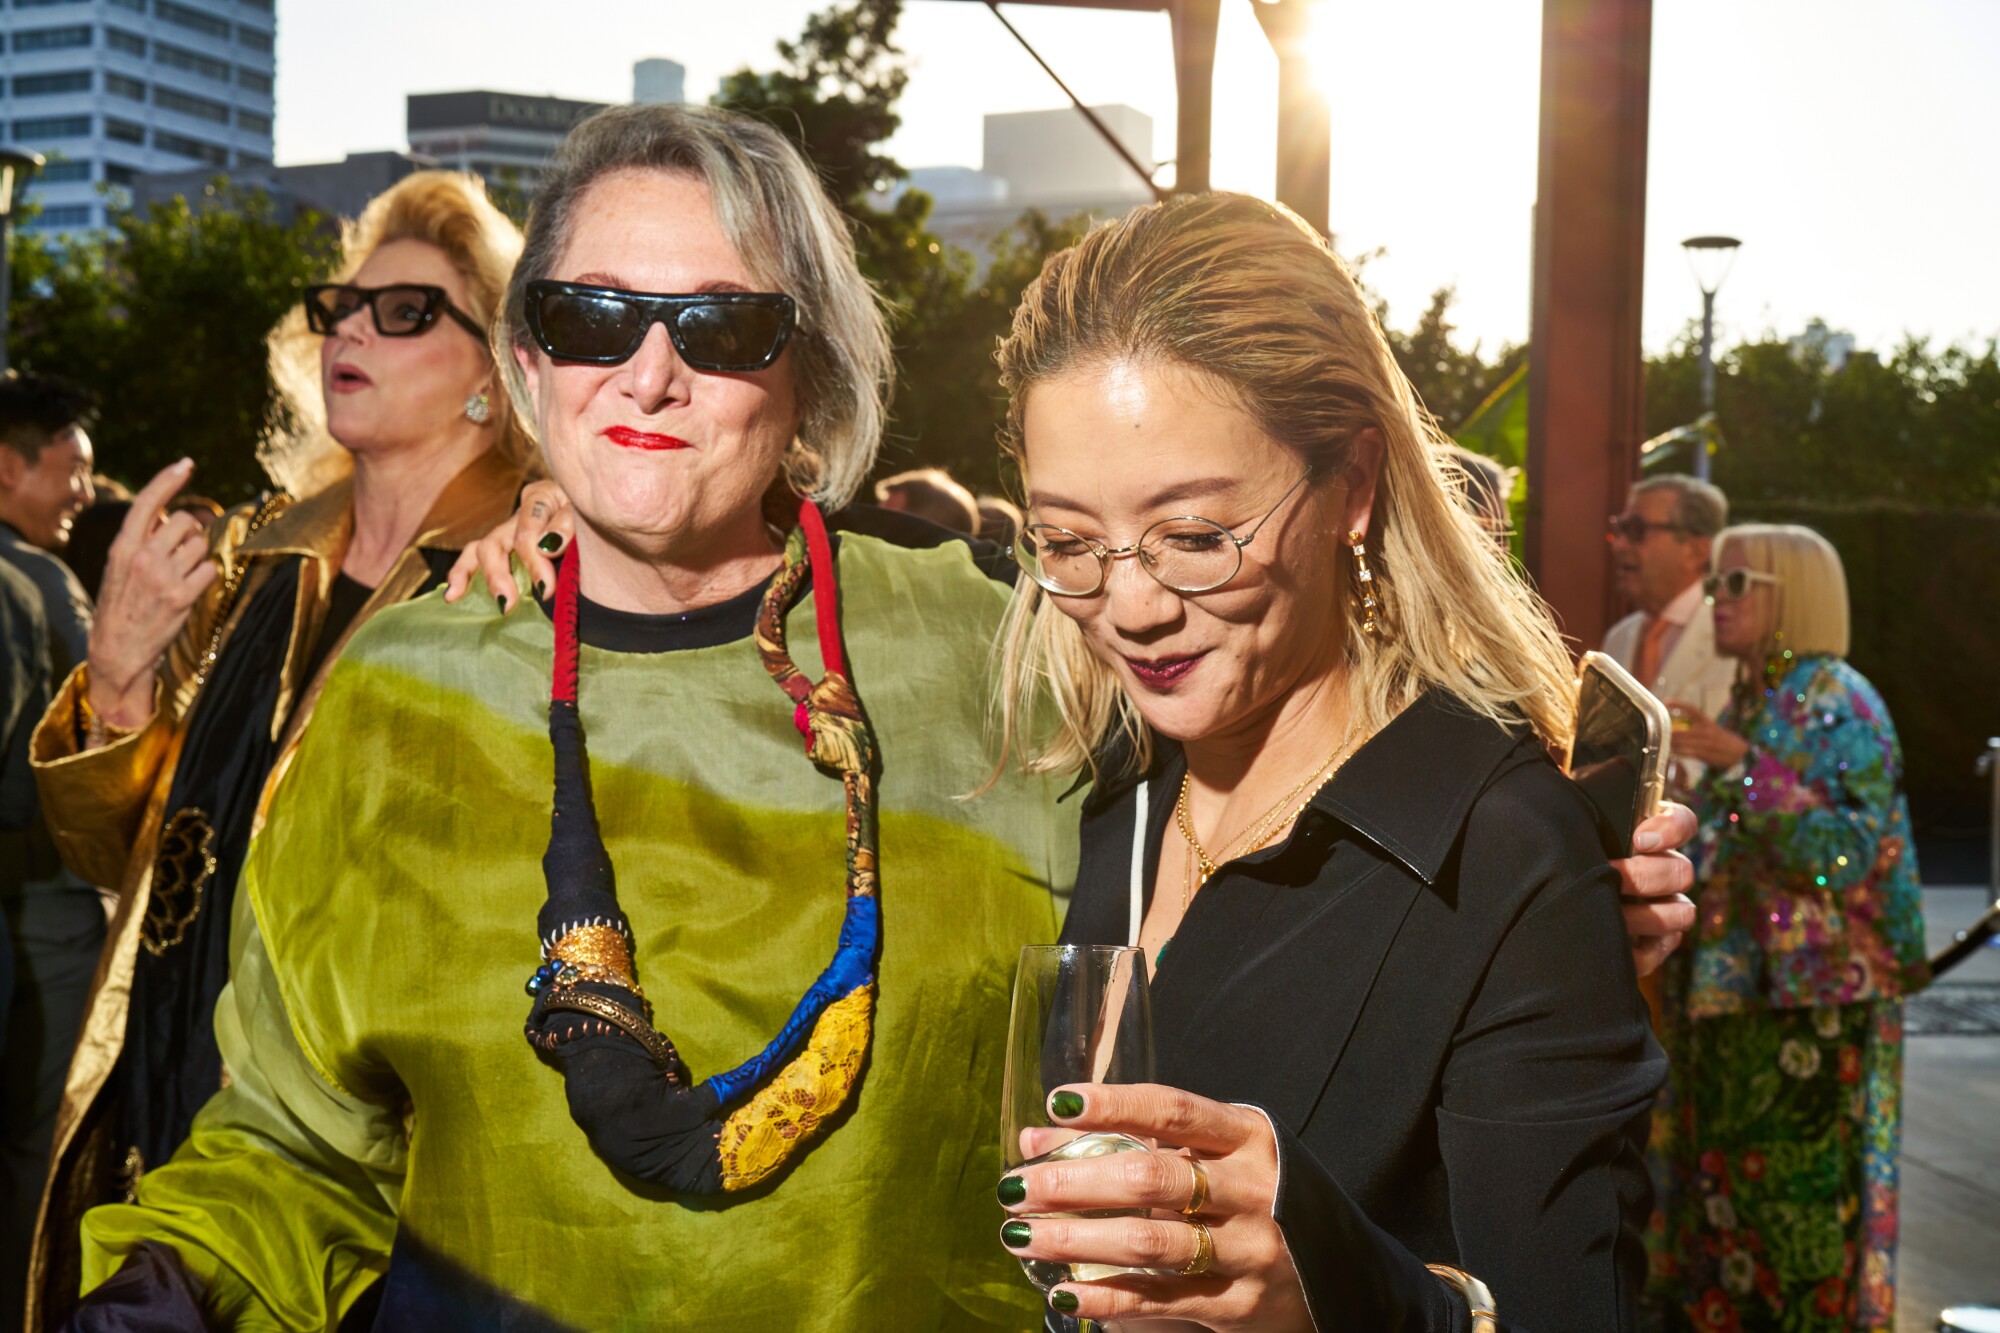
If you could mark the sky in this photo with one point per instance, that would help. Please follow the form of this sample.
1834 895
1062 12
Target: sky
1853 146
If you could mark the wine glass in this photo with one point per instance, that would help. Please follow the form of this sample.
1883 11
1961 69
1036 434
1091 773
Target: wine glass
1082 1014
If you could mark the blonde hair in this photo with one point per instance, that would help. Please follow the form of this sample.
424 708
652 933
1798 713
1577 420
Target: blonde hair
1808 602
445 209
775 212
1246 294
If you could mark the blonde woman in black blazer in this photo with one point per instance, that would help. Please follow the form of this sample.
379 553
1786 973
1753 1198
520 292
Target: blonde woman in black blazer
1400 1047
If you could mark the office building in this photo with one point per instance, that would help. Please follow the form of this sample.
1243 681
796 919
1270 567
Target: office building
110 89
1055 161
656 80
1057 158
506 138
331 189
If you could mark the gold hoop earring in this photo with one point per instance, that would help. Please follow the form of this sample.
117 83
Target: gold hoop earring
1364 580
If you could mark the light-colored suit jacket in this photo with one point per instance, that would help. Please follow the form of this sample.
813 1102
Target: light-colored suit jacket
1692 673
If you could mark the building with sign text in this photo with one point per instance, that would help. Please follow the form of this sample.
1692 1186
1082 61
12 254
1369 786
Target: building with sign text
504 138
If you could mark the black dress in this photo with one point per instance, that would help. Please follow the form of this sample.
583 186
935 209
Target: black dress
1428 988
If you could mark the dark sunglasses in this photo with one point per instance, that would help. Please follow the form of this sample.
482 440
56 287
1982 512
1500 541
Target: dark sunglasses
402 310
602 326
1634 529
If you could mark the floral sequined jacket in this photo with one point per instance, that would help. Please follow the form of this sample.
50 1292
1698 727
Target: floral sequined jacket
1808 889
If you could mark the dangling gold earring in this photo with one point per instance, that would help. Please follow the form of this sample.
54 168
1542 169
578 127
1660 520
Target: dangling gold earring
1364 579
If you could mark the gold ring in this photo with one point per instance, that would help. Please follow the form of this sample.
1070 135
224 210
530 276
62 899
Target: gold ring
1204 1252
1197 1188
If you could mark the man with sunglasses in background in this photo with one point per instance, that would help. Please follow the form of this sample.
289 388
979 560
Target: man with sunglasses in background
1661 548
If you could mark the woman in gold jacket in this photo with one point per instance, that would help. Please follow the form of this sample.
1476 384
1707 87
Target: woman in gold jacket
211 647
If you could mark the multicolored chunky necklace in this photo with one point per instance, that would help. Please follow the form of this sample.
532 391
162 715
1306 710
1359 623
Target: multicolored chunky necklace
628 1088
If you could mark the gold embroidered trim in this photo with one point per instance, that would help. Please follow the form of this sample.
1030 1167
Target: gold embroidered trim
181 872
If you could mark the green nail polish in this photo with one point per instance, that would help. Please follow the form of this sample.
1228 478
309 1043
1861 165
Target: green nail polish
550 542
1065 1301
1013 1189
503 604
539 594
1066 1105
1016 1235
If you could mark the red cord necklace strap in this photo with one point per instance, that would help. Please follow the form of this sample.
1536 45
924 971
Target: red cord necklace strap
563 682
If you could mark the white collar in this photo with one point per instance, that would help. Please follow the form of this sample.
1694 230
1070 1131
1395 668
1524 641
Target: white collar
1684 606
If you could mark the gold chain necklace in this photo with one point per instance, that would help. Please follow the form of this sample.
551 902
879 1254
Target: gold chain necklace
1261 829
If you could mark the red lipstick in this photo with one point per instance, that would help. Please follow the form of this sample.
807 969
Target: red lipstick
1163 673
627 438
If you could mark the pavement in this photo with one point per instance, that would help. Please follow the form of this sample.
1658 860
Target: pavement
1950 1250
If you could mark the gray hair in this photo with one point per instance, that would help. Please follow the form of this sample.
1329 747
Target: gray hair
775 212
1699 508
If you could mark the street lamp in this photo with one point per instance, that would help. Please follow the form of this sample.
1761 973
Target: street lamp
1710 257
16 166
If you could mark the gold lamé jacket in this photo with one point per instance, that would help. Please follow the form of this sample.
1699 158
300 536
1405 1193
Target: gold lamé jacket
104 806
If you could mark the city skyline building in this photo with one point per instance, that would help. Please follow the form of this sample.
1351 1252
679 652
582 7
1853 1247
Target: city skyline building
503 138
109 90
506 138
1052 160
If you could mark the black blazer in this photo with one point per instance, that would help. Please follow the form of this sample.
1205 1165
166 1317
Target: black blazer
1428 988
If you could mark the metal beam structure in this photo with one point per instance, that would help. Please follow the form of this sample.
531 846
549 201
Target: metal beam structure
1305 123
1305 134
1585 405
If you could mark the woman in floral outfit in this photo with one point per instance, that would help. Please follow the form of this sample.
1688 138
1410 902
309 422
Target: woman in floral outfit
1776 1143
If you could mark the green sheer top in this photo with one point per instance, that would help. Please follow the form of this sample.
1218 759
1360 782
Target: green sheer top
384 1112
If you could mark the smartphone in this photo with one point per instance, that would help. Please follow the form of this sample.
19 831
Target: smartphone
1619 757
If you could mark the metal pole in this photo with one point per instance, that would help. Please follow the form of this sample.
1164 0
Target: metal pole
1305 125
1707 379
1585 392
1975 937
1194 24
1992 767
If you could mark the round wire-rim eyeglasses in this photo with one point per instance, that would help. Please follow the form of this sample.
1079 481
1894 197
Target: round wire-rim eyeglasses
1147 549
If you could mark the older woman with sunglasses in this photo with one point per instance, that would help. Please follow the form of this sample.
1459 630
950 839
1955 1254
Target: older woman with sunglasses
669 980
1785 1017
212 644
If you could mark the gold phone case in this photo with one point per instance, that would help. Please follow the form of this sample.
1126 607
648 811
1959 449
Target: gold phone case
1624 733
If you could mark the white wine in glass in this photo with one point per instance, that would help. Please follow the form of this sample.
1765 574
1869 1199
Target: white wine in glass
1082 1014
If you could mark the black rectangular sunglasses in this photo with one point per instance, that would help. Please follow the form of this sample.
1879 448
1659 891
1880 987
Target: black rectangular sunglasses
400 310
716 331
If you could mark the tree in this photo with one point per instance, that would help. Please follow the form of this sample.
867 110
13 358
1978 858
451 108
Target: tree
951 408
1913 428
1450 380
164 318
834 95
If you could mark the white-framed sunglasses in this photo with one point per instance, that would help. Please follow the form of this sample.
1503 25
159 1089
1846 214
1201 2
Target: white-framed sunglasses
1731 584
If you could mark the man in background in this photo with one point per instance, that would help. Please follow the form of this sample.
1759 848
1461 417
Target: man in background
55 922
25 682
45 482
930 493
1661 547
